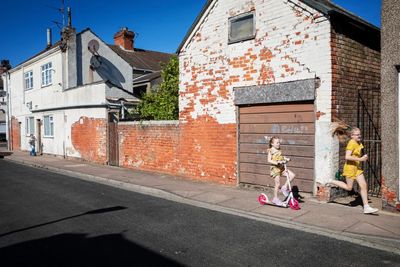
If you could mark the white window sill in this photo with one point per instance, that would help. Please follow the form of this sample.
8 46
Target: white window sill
46 85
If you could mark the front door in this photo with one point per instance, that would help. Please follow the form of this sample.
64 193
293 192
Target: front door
112 139
39 147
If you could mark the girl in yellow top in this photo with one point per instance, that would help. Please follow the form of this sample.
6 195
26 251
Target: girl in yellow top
352 169
276 159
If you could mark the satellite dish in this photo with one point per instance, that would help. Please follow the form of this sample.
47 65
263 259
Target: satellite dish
93 46
95 62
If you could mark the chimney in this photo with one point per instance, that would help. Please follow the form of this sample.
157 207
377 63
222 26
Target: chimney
48 37
124 38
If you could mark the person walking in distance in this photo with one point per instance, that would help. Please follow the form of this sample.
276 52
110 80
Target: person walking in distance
32 145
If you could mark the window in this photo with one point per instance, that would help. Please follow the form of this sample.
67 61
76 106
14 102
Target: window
30 125
28 76
48 126
241 28
46 74
139 91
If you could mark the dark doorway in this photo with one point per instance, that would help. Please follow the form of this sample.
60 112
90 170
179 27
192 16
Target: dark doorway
113 139
39 149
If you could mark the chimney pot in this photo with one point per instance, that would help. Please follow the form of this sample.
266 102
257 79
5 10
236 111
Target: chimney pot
124 38
49 37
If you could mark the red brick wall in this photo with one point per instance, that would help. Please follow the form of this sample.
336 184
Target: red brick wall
15 134
208 150
200 150
89 138
355 66
149 147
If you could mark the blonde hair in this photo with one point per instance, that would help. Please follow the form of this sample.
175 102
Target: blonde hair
342 130
272 140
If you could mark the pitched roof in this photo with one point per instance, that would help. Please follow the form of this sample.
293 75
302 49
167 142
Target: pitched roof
147 77
142 59
39 53
138 58
326 7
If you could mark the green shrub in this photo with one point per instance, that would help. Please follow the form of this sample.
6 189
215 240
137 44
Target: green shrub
163 104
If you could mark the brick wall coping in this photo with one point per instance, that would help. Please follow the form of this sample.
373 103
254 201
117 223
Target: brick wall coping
300 90
161 123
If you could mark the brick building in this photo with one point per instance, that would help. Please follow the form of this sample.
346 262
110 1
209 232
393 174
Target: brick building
250 69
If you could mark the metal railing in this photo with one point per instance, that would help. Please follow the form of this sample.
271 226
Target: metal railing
368 120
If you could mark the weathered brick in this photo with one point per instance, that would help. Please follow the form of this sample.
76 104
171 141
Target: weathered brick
89 138
15 134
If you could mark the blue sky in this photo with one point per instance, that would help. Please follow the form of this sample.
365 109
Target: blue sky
160 24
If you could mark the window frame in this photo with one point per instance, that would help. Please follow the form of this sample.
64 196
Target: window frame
46 71
231 20
29 129
46 127
28 79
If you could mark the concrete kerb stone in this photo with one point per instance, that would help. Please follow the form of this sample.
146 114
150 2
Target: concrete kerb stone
385 244
106 181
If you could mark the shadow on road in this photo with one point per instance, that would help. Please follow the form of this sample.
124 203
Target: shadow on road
81 250
98 211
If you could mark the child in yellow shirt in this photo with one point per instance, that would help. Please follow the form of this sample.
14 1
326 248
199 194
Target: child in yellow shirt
352 169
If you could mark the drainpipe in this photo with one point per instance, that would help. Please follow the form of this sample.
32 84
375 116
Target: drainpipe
65 129
122 110
398 132
23 85
8 121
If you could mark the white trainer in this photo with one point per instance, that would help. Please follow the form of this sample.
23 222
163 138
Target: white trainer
369 210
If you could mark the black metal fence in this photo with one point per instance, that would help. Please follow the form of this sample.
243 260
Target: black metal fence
368 120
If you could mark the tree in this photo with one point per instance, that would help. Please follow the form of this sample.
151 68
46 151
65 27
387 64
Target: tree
163 104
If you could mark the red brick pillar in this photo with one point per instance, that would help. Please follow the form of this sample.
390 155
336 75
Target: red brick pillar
15 138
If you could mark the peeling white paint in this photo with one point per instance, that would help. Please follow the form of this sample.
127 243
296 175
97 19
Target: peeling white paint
295 41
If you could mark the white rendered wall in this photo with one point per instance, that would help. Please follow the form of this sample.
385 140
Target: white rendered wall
52 100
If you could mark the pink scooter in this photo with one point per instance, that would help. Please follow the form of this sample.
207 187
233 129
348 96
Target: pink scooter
290 201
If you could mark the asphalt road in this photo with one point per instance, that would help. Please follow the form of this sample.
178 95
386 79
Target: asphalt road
47 219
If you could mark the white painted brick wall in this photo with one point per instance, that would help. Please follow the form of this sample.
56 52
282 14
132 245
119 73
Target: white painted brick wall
278 27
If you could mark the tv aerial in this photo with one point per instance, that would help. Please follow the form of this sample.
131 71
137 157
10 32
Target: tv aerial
61 10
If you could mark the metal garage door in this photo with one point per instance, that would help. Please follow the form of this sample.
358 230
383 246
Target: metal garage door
294 124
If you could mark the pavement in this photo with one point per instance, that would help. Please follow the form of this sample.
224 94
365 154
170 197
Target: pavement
338 220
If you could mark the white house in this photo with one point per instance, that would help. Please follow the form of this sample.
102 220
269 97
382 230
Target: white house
69 94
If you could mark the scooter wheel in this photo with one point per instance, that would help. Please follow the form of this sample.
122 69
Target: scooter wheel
294 204
263 199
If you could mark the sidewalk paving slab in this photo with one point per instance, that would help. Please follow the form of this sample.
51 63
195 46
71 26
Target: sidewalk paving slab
334 220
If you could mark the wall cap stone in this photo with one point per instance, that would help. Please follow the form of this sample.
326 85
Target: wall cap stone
294 91
154 122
